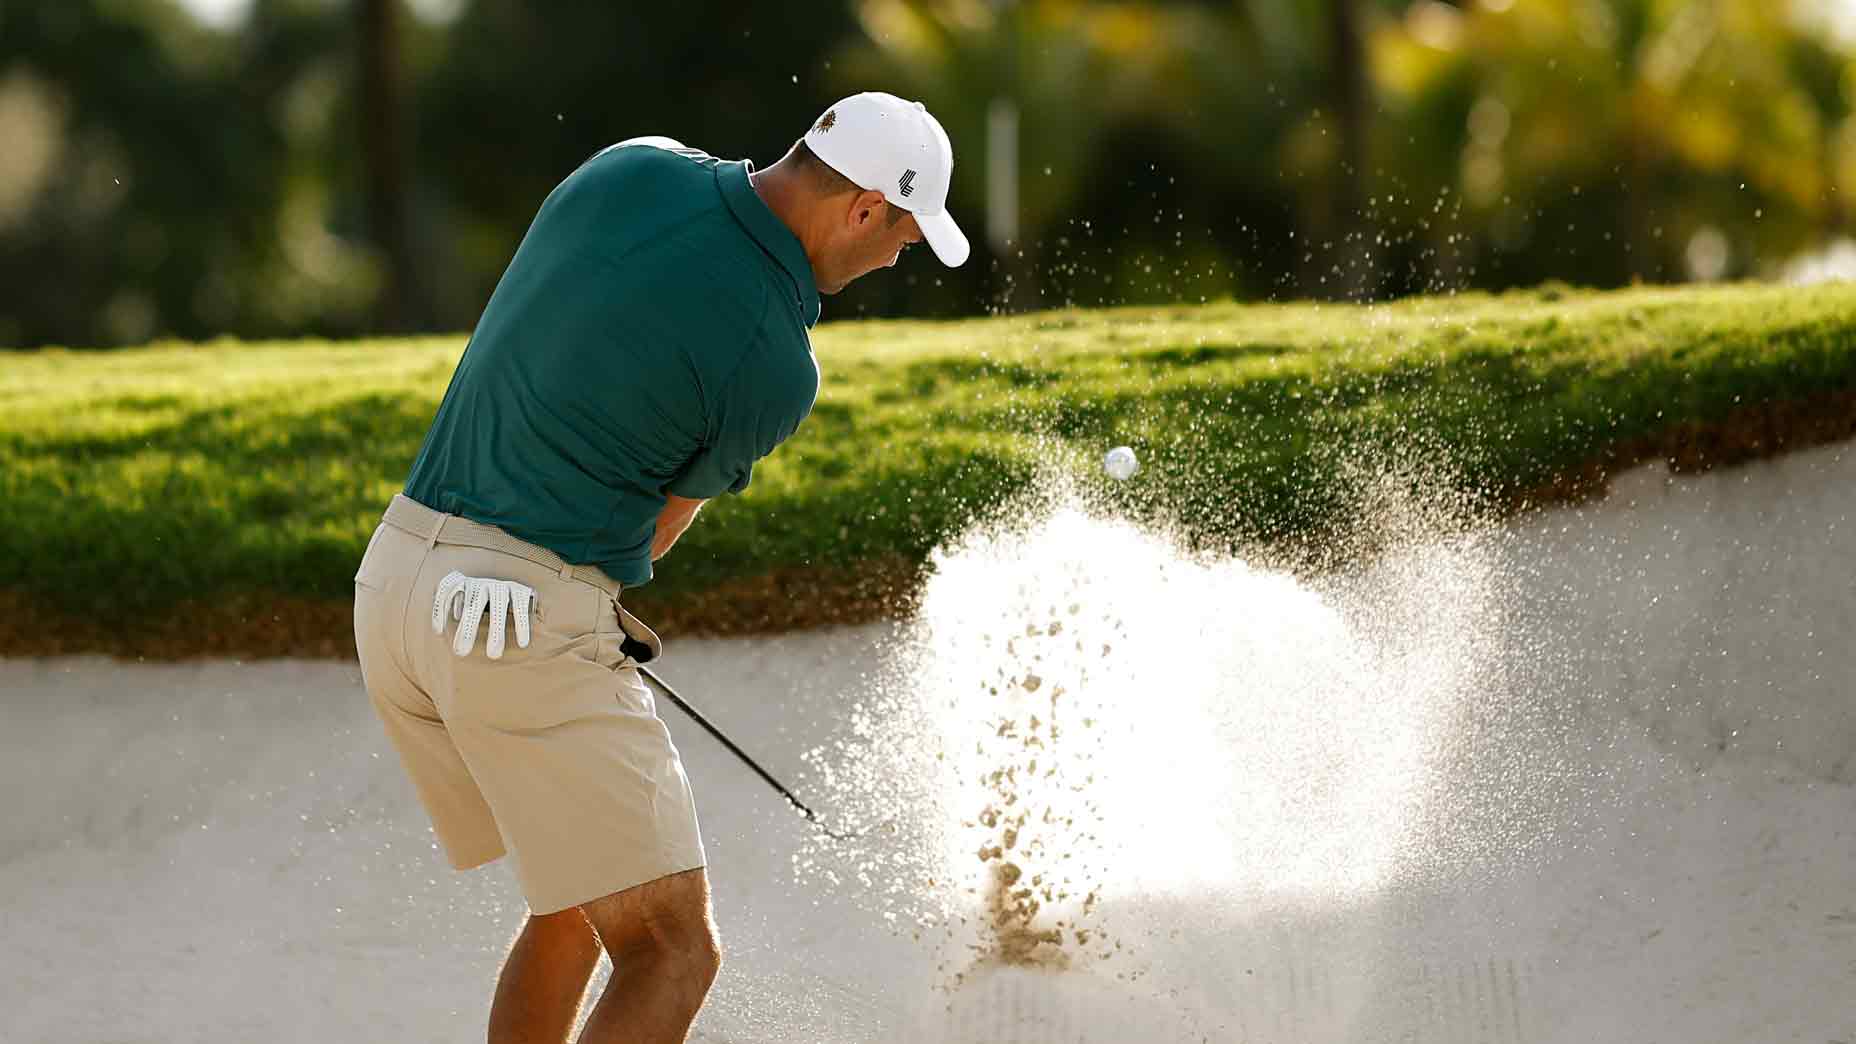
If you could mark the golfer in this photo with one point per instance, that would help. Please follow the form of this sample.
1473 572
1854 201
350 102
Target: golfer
646 346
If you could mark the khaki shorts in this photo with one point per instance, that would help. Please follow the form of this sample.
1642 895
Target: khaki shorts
554 752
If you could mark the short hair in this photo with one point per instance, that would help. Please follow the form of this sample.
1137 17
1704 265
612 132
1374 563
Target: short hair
827 181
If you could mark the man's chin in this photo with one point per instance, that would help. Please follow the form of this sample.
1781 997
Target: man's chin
838 286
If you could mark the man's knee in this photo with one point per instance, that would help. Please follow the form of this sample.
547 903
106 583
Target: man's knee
704 957
666 921
565 928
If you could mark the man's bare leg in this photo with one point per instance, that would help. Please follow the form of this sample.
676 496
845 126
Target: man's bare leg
665 954
544 979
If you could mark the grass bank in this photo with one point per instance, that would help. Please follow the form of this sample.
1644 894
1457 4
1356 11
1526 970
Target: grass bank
230 487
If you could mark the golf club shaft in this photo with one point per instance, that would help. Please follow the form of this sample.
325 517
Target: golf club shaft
696 716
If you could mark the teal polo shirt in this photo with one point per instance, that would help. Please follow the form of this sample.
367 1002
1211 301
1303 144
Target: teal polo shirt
649 338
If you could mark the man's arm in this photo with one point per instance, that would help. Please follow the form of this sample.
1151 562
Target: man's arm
758 408
676 517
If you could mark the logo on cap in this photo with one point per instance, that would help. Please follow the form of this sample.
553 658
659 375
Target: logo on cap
827 121
907 182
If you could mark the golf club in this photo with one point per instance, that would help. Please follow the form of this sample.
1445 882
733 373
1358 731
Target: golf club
697 716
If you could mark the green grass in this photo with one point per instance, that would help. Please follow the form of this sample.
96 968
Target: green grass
131 480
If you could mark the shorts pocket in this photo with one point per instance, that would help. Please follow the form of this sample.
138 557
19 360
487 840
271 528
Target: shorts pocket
374 570
625 640
528 696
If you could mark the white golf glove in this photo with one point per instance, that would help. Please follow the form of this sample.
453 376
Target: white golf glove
467 597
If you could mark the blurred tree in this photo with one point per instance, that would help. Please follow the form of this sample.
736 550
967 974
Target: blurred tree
1107 110
146 176
1346 75
522 93
1614 140
164 178
180 177
399 306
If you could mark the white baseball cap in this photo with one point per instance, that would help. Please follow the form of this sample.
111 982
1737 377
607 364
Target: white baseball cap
888 145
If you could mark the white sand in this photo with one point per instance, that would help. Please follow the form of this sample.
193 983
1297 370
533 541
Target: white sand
226 852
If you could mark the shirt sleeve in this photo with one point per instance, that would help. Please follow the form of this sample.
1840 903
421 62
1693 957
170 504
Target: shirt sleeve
761 407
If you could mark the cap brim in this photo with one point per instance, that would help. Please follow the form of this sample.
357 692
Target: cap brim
948 241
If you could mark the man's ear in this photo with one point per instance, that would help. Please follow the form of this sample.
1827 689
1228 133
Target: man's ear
868 204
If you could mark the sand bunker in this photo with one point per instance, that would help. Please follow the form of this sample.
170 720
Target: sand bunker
1588 781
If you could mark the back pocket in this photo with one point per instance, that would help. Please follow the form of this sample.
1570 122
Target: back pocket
378 563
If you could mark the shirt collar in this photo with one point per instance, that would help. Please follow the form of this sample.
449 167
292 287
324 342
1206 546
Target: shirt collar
769 231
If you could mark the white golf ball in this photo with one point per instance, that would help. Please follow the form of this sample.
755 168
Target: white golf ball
1120 463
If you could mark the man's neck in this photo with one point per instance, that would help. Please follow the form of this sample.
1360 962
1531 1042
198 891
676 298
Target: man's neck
779 188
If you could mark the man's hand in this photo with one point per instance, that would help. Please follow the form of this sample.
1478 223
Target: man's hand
467 597
676 517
